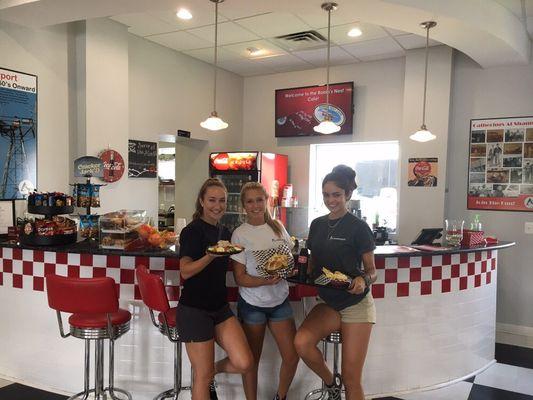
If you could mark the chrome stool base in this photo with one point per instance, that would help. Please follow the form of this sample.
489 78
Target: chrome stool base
103 396
171 393
335 339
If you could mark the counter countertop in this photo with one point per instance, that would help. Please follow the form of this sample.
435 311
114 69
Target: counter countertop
91 247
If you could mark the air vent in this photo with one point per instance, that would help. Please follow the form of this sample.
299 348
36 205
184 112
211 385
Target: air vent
301 41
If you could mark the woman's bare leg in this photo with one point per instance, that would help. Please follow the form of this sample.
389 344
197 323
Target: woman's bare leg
284 333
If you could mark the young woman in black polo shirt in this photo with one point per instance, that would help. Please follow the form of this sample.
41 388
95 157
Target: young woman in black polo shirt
341 242
203 313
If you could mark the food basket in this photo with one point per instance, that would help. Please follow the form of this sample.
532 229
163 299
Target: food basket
264 257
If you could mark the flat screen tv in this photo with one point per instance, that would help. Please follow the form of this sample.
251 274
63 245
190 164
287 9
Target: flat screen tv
299 109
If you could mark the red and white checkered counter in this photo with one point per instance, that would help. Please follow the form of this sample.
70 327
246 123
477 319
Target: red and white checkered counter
436 321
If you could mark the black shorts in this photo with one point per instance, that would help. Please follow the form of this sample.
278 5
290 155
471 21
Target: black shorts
197 325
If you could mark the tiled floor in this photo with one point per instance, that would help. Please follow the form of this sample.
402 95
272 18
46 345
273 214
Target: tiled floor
510 379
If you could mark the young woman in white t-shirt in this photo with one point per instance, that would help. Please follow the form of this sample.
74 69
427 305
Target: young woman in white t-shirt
263 301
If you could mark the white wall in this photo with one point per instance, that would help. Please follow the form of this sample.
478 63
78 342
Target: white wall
171 91
378 111
388 104
44 53
492 93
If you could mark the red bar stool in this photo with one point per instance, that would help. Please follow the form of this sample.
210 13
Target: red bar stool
302 292
155 298
93 303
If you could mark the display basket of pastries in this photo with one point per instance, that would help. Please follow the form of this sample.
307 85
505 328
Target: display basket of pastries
335 279
224 248
152 238
276 261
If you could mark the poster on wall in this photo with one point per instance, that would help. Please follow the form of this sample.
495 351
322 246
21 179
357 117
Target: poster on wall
299 109
423 172
18 132
142 159
500 167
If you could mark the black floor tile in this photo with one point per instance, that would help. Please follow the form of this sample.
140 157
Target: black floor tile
386 398
21 392
514 355
480 392
471 379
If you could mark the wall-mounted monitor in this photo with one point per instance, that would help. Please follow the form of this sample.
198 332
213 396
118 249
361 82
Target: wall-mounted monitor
299 109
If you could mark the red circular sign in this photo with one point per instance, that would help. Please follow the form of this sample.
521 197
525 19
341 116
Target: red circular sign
422 168
113 165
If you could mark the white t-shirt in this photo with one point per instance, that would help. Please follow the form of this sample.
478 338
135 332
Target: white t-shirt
254 238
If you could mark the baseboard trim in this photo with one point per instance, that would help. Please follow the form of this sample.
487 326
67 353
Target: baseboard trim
516 335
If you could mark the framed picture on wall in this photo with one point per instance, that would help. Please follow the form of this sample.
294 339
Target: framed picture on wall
500 166
18 133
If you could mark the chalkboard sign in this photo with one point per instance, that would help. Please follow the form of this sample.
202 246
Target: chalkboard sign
88 166
142 159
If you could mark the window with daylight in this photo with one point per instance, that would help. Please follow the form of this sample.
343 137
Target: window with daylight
376 166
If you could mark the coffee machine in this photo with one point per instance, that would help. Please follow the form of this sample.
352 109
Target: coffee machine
354 206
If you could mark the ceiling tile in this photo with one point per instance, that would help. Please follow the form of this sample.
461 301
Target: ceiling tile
143 24
283 63
367 50
246 68
228 33
319 18
273 24
180 41
199 18
318 57
413 41
268 49
394 32
208 55
339 34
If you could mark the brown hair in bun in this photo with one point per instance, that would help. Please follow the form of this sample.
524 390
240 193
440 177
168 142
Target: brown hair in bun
344 177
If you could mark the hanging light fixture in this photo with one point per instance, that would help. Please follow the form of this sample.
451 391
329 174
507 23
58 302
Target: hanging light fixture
327 126
214 122
424 135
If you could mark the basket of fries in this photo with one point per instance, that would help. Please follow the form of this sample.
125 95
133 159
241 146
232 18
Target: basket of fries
334 279
276 261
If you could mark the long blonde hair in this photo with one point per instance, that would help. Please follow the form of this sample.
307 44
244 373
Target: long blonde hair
201 193
273 224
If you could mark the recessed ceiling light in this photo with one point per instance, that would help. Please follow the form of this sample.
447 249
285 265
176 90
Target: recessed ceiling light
254 51
354 32
183 13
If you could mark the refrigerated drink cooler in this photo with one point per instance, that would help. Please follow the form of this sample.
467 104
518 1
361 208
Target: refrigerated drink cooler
236 169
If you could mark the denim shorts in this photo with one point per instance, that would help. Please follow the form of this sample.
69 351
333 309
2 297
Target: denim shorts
253 315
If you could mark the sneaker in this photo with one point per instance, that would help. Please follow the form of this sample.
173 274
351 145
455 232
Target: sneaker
213 391
334 390
276 397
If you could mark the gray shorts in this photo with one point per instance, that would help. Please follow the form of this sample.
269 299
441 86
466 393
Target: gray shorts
197 325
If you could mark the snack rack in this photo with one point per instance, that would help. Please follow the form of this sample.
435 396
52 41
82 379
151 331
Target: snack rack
29 235
87 202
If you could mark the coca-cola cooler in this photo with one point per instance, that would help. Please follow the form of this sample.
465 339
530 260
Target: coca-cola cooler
236 169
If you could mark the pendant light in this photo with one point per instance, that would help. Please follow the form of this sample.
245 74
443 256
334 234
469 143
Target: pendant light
327 126
424 135
214 122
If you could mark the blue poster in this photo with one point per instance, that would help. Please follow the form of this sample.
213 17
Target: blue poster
18 133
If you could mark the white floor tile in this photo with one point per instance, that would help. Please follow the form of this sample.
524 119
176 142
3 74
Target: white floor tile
4 383
507 377
458 391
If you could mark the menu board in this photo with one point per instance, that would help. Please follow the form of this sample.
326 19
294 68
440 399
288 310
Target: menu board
500 168
142 159
300 109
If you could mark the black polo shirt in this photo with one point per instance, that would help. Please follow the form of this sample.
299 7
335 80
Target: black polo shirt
339 245
207 289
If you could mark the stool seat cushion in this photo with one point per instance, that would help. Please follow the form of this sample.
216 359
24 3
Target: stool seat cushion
99 320
171 317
